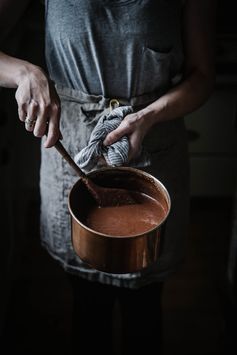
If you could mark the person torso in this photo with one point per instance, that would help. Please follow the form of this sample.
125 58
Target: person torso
115 48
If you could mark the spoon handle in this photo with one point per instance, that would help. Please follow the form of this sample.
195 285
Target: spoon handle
60 148
88 182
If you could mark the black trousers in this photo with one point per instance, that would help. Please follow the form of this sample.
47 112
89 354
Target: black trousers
112 320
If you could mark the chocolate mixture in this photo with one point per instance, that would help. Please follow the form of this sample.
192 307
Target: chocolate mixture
127 220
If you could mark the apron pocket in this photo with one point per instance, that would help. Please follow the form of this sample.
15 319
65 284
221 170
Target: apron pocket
155 69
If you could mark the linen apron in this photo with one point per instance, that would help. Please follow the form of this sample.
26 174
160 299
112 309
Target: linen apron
167 145
114 49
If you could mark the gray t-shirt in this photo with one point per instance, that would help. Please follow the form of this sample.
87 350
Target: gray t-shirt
114 48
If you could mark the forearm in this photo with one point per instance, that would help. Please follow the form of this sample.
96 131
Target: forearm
12 70
186 97
199 65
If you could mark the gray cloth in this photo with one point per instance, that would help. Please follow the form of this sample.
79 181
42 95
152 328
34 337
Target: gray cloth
115 154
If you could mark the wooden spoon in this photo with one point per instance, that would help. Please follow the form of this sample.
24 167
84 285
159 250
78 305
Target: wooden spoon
104 196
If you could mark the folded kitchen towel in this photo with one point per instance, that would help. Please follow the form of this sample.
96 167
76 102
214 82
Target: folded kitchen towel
115 154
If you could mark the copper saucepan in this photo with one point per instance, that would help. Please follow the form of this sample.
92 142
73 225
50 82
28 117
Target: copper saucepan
117 254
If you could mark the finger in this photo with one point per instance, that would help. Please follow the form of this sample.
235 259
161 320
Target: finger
41 123
32 112
22 112
115 135
23 101
53 127
53 134
134 147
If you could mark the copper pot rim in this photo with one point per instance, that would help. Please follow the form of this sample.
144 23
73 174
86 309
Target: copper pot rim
132 170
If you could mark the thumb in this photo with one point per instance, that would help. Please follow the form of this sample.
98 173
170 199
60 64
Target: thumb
115 135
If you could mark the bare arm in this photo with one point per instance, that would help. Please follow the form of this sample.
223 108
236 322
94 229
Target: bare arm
35 93
199 75
196 86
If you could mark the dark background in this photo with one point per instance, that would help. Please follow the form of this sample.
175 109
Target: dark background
199 300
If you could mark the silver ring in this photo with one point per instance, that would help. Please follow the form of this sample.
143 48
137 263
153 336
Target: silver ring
29 122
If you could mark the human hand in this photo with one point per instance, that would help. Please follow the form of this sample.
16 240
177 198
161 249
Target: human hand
135 126
39 104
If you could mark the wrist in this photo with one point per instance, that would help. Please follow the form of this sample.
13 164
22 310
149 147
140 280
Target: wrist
149 116
156 112
23 70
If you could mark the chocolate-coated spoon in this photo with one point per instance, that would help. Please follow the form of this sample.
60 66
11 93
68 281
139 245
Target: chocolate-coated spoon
104 196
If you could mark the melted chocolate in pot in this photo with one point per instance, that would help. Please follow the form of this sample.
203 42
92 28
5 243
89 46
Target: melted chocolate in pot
127 220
